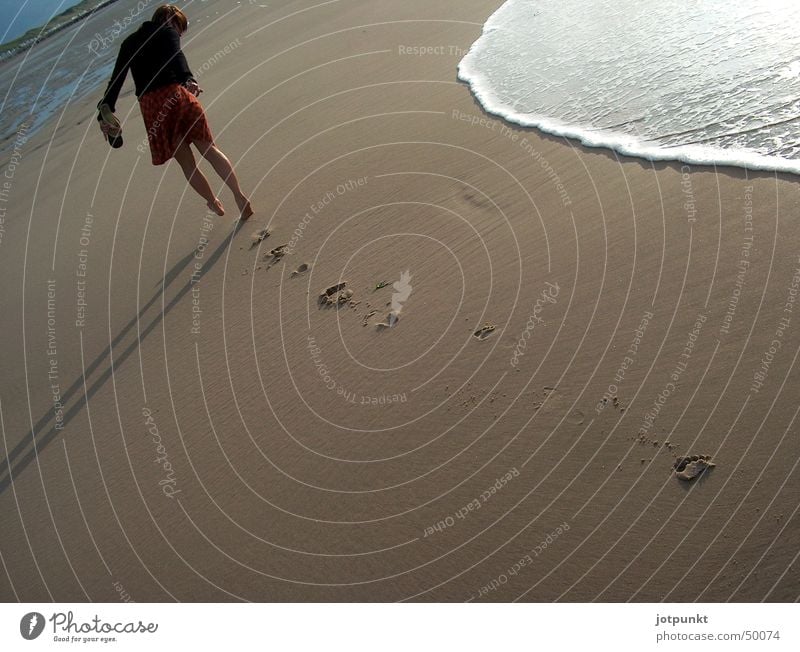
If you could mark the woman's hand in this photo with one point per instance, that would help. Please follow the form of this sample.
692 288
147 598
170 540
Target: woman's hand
193 87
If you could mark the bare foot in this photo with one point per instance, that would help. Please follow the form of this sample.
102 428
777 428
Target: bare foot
216 206
245 208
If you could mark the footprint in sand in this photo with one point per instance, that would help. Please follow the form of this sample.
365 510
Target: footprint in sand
279 251
257 236
576 417
690 467
484 331
325 297
275 255
301 270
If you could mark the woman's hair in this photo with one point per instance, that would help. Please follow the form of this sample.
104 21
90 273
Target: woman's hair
171 14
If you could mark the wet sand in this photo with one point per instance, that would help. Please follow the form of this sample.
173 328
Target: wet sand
185 419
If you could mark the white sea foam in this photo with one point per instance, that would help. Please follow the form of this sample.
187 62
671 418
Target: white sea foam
705 81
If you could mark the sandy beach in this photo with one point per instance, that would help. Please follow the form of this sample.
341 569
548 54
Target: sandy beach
183 418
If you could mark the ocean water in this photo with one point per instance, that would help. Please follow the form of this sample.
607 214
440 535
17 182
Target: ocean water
700 81
20 16
39 83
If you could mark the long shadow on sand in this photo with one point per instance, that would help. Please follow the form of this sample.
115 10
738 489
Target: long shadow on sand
18 459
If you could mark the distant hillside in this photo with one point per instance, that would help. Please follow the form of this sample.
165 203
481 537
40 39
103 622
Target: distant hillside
56 24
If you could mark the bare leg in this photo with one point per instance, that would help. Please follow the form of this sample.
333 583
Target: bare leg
222 166
196 178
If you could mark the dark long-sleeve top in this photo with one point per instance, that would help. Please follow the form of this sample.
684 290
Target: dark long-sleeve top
153 55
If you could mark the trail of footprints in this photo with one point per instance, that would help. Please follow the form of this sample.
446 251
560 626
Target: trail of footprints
686 468
338 294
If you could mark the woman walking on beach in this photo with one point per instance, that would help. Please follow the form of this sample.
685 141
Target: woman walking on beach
173 116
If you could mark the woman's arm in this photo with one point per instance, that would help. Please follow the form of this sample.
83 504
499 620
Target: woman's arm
121 67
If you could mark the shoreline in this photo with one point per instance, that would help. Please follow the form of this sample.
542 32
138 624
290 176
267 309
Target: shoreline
624 145
472 70
36 35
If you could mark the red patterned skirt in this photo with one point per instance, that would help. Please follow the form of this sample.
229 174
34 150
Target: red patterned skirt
172 115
